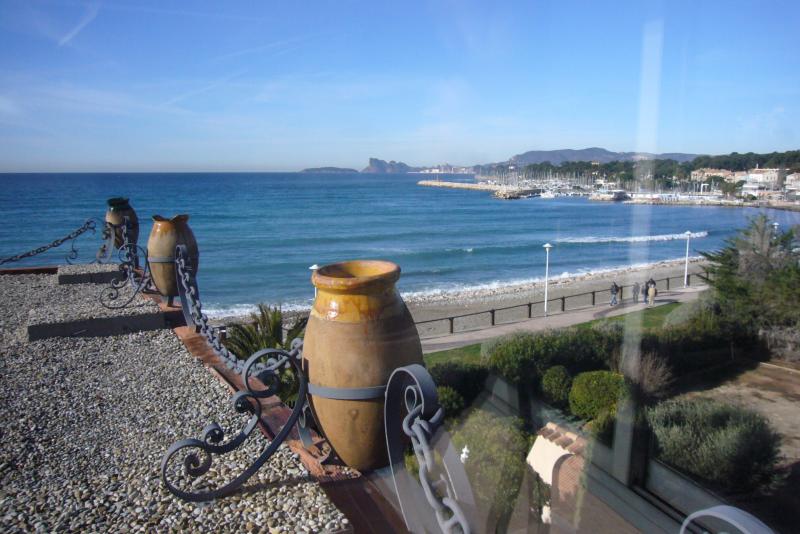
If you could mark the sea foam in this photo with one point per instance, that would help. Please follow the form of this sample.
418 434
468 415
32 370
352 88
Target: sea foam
631 239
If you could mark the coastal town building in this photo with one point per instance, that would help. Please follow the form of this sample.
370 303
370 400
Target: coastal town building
701 175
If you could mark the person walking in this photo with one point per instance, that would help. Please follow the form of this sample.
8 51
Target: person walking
651 293
636 290
644 291
614 292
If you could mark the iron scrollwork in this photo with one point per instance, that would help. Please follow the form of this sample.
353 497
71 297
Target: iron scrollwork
130 276
200 452
106 249
89 225
264 365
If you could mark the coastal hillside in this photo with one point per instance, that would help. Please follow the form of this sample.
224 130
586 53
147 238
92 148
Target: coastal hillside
379 166
329 170
556 157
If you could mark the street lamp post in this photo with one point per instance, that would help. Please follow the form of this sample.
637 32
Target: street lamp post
688 235
547 247
313 269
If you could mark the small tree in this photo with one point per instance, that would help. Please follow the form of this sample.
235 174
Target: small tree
756 279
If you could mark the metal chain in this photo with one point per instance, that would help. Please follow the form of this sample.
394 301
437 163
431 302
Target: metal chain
412 411
200 320
90 224
448 513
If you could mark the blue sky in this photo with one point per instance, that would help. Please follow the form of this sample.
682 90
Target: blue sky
139 85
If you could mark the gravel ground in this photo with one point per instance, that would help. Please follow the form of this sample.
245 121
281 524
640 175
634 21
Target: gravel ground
84 425
39 299
83 268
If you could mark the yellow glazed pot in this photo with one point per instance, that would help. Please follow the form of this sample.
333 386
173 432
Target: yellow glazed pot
118 208
164 237
359 332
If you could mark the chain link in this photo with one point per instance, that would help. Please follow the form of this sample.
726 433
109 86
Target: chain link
448 513
90 224
189 290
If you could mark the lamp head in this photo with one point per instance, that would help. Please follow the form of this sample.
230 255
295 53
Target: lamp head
547 246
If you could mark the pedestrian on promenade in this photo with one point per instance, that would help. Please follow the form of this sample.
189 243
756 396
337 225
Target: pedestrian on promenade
636 290
614 291
651 293
644 291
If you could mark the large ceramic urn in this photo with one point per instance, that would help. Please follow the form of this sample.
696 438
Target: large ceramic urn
164 237
118 209
359 331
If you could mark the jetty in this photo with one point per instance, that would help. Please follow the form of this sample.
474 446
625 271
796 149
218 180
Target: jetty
461 185
504 192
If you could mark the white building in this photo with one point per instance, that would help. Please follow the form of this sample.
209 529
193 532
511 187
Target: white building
701 175
792 182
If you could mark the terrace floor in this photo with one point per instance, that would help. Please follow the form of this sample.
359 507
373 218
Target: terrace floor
86 420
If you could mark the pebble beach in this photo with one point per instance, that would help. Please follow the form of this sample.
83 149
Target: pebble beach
86 422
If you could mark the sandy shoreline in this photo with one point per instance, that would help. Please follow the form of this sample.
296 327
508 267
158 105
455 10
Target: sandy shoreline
427 306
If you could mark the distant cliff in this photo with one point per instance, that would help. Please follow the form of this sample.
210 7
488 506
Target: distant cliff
379 166
329 170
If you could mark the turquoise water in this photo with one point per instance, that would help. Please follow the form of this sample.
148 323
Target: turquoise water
258 233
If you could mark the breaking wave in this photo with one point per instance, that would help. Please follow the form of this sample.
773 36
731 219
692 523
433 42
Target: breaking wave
631 239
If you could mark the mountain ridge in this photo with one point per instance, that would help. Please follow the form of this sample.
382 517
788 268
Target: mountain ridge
602 155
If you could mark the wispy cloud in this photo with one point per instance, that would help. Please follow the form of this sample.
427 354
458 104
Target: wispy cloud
203 89
88 16
279 47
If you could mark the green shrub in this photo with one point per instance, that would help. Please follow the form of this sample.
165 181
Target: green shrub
594 392
465 378
691 346
602 426
512 358
524 357
451 400
555 385
496 464
608 343
724 446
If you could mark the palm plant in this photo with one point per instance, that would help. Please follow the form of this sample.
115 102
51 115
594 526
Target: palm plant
265 331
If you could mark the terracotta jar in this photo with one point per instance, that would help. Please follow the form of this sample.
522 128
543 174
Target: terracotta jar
359 332
118 208
164 237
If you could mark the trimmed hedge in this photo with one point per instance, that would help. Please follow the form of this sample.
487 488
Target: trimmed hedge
691 346
594 392
524 357
724 446
496 463
556 384
465 378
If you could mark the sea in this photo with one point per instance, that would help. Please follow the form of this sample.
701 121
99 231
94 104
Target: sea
259 233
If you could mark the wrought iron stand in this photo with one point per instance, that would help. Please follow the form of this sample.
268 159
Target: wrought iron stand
412 412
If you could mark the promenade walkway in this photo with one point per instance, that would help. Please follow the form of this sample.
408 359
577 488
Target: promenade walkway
558 320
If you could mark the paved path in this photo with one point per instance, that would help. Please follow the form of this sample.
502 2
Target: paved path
558 320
